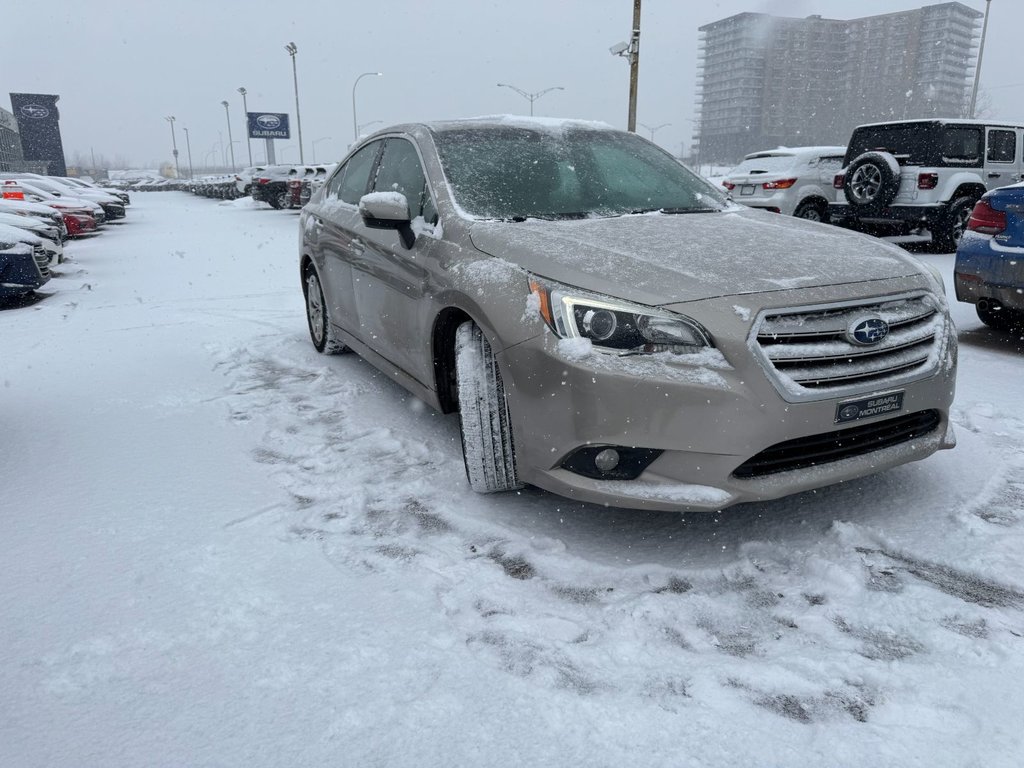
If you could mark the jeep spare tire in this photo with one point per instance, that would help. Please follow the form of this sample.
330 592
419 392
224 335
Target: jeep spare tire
872 181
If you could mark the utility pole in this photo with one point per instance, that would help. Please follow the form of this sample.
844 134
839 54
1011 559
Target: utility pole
634 65
981 52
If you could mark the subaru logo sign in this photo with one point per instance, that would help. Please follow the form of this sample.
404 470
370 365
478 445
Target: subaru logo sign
268 122
35 111
867 330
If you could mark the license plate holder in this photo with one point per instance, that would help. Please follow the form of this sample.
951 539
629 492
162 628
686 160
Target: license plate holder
866 407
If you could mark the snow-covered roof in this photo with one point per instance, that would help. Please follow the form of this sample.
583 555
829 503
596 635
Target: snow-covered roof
795 151
945 121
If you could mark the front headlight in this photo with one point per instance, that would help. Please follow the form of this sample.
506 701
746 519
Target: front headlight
613 325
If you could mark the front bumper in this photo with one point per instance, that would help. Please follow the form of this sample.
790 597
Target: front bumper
705 422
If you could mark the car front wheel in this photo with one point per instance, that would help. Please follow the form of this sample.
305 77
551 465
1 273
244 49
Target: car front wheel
320 330
487 448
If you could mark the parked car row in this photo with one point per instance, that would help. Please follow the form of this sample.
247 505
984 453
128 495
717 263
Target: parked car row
221 187
37 216
288 186
895 177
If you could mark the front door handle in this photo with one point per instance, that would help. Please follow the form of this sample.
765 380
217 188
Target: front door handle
994 175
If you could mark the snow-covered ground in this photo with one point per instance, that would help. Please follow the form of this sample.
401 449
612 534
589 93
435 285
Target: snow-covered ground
218 548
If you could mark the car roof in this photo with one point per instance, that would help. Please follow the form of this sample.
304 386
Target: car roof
945 121
796 151
551 124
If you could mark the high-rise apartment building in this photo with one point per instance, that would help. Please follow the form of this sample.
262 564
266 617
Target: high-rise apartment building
765 81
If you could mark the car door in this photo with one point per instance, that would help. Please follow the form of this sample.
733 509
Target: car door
1001 157
334 222
390 280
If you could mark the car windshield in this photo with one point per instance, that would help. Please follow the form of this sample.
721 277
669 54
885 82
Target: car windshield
514 173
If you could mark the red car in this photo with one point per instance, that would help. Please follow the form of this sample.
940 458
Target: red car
79 221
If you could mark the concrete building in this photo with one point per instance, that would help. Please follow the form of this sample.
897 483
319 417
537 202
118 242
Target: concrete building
767 80
10 142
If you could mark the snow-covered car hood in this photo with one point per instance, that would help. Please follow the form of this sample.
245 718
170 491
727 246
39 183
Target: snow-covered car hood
17 235
666 258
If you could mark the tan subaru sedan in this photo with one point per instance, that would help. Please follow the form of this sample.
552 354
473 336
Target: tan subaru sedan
612 328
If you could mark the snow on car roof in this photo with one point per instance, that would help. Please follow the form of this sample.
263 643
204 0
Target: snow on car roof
787 151
552 124
944 121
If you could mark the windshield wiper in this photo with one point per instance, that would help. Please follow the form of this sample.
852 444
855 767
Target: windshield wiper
676 210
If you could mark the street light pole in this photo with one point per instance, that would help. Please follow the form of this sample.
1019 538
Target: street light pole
981 52
174 143
245 114
652 129
292 50
355 125
188 146
231 143
317 141
531 97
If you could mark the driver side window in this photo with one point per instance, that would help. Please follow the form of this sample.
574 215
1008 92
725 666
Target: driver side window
400 171
350 182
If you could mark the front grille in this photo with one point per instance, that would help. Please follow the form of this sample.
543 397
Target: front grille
42 260
812 451
809 355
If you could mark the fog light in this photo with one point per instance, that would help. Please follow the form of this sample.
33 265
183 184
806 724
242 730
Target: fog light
607 460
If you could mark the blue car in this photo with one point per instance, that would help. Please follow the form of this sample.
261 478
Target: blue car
989 271
23 266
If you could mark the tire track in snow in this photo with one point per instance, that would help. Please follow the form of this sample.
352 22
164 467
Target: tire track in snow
380 491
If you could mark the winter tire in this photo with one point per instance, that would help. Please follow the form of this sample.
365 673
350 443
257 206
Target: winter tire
872 181
320 330
951 227
484 419
812 210
1001 319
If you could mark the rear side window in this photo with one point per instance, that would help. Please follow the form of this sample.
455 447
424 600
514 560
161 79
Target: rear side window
1002 146
962 145
830 163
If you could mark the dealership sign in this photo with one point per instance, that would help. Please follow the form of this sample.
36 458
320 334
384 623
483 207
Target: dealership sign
268 125
39 127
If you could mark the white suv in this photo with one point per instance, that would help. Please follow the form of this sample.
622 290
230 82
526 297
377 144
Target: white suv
795 181
926 173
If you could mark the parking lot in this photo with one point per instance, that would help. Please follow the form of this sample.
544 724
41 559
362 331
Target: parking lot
215 538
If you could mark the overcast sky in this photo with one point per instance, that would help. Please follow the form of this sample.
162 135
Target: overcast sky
121 66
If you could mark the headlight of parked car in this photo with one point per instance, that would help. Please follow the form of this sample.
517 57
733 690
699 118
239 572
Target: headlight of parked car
615 325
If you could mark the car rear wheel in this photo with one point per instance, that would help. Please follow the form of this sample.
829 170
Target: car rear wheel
1000 318
484 419
812 210
947 232
872 181
320 330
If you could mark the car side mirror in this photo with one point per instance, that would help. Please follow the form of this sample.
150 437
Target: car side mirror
388 210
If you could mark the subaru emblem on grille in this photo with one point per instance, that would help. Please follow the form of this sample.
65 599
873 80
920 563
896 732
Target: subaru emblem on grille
867 330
